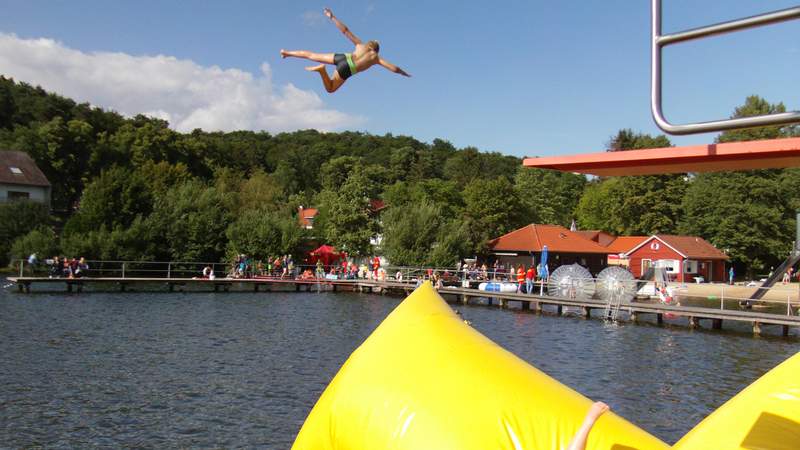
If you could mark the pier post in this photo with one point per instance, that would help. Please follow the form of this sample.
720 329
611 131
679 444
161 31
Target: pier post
537 307
634 316
693 322
27 288
19 285
464 299
297 287
757 328
586 312
489 301
559 310
526 306
255 287
333 287
502 303
786 330
660 318
69 287
716 324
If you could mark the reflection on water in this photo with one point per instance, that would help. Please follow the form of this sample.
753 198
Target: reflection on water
244 369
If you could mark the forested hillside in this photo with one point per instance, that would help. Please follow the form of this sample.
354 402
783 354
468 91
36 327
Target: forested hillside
134 189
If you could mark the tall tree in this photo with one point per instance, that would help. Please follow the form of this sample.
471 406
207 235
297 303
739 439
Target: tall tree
548 196
639 205
491 209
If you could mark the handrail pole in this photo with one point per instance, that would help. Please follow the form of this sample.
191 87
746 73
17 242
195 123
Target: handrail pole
657 42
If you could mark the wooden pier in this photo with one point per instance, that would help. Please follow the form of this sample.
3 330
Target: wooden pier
696 316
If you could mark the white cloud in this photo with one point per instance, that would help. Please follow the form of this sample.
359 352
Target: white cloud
185 93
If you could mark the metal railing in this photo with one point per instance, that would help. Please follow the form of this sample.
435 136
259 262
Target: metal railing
720 296
658 41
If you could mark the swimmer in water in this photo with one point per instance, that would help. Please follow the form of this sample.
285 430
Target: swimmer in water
363 57
578 442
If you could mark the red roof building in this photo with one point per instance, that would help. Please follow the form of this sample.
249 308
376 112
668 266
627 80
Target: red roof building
563 246
306 217
686 258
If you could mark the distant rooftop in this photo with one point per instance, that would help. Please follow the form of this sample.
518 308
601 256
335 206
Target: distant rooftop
19 168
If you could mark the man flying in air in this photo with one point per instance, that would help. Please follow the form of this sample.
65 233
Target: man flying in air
363 57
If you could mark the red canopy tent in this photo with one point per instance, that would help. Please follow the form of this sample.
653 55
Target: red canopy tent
327 254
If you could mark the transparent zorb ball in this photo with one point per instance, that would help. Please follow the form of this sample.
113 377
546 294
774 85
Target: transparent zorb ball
573 281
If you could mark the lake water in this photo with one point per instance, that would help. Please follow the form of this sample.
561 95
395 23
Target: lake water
244 369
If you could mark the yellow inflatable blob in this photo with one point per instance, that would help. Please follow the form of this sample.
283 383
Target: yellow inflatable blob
765 415
425 380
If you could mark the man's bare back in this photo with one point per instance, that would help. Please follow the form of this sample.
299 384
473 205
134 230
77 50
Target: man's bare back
364 56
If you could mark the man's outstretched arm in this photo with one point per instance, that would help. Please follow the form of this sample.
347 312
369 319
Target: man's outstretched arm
392 67
342 27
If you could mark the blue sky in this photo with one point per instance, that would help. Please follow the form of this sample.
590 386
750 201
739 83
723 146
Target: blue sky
520 77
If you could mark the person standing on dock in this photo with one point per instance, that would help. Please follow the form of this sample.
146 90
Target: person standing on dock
730 275
520 278
529 277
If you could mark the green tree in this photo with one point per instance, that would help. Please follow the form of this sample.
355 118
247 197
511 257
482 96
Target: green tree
418 234
627 139
756 106
548 196
18 219
491 209
41 241
347 220
636 205
192 219
115 198
262 233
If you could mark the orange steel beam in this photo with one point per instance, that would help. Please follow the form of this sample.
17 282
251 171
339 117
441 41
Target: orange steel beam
768 154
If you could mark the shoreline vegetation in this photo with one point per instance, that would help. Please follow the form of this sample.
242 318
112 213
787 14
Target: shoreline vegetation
134 189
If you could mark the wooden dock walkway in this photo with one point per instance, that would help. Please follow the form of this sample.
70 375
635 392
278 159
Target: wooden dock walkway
536 303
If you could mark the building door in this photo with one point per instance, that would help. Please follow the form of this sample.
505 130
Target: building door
646 265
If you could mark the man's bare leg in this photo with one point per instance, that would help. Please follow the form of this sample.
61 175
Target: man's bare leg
578 442
325 58
331 85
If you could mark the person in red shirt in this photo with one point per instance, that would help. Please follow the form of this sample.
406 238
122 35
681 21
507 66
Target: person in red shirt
530 275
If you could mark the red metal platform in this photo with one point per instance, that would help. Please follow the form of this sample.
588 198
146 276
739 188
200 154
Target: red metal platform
768 154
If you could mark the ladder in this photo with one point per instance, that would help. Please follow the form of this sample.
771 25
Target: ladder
613 304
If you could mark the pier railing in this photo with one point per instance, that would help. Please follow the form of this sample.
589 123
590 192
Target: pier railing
780 299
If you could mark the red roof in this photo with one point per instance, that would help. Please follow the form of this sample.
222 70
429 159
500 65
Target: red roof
19 168
601 237
306 216
690 247
624 244
772 153
558 239
376 204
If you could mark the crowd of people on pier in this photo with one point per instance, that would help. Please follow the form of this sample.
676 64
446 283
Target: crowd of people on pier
61 266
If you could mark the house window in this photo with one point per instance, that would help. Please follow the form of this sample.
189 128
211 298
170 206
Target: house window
646 264
15 170
14 195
